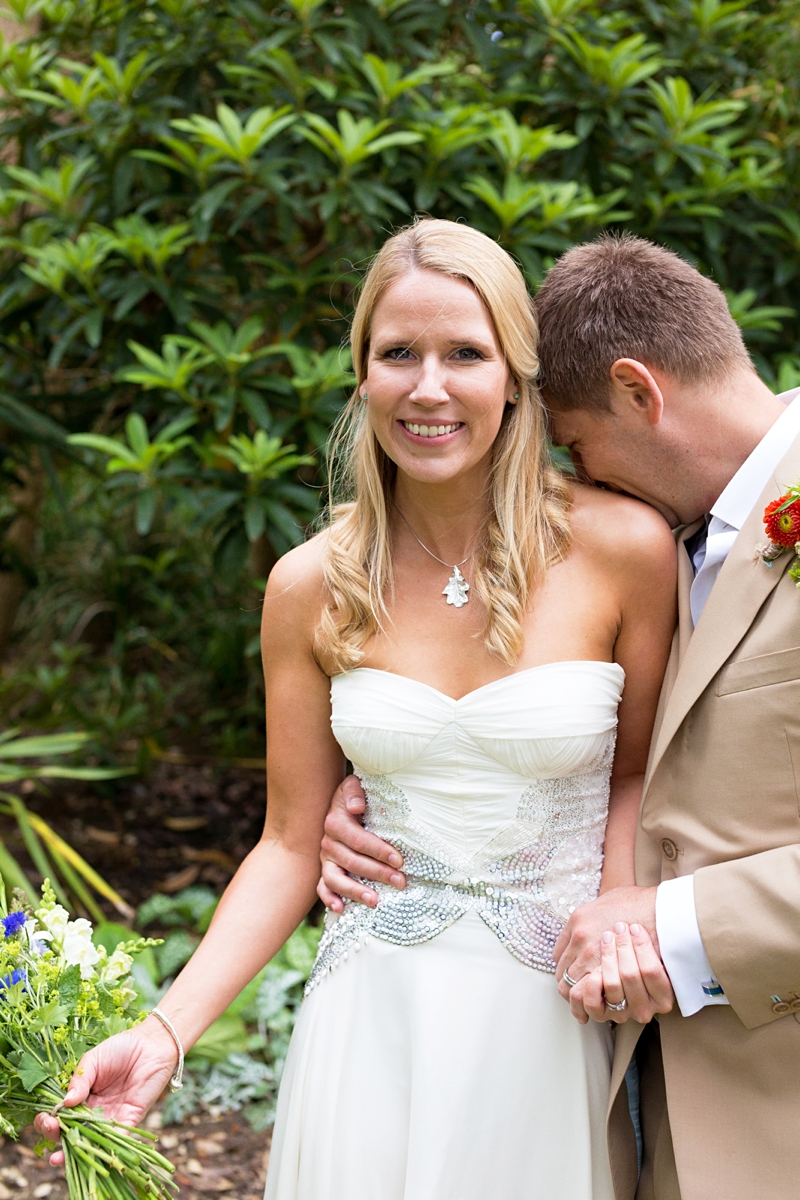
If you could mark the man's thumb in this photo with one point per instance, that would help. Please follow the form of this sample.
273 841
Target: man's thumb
352 794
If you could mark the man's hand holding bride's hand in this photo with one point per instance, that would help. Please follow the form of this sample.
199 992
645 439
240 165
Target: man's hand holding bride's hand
577 951
348 850
630 973
124 1075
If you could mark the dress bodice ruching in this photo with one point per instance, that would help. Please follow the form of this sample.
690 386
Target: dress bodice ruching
497 801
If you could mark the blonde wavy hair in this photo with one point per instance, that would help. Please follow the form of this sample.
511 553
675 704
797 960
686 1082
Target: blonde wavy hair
527 524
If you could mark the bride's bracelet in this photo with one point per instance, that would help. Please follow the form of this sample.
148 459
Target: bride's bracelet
176 1083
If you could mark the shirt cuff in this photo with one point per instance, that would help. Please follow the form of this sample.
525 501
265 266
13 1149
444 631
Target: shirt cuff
682 949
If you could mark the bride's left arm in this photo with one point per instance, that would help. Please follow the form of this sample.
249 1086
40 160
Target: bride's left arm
646 588
640 568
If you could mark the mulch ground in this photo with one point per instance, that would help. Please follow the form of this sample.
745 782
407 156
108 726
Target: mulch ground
181 824
178 825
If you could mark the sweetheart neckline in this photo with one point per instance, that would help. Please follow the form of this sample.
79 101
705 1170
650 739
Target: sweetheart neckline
567 662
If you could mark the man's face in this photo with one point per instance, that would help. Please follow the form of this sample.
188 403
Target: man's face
624 456
674 445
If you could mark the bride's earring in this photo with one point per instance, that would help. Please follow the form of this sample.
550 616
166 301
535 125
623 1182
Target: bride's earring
365 396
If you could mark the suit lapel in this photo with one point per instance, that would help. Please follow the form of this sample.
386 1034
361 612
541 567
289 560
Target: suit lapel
740 590
680 641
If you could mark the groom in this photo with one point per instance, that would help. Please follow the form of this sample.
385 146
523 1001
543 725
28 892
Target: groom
649 384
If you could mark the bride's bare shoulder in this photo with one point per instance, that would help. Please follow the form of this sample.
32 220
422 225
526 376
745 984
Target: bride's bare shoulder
295 587
621 531
300 568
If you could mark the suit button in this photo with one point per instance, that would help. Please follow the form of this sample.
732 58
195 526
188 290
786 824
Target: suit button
794 1005
669 848
780 1007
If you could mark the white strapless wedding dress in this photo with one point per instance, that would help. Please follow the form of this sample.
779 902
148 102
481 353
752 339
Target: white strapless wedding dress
433 1058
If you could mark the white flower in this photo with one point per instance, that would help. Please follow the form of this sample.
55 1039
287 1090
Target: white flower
126 995
78 948
56 921
37 939
119 964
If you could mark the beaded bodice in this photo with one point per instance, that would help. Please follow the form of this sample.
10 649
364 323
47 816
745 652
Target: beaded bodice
497 801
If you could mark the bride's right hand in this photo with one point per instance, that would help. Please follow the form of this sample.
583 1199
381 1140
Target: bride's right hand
630 973
124 1075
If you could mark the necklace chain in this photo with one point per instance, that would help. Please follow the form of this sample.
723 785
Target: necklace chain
457 590
427 551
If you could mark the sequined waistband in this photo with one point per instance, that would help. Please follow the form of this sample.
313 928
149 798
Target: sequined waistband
523 883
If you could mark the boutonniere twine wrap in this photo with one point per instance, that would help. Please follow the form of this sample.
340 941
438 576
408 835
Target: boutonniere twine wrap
782 523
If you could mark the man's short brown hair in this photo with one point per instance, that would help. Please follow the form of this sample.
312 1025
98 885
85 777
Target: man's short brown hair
624 297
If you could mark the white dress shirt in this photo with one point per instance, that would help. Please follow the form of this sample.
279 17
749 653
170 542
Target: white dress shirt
679 938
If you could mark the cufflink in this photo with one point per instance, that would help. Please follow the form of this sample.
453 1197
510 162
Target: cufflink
712 987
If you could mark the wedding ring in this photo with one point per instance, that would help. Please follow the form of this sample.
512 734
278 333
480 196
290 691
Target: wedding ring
623 1004
568 981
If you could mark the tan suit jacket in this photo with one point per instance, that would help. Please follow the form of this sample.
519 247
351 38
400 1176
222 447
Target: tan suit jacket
722 800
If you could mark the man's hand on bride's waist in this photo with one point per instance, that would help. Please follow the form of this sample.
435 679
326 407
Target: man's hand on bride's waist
348 850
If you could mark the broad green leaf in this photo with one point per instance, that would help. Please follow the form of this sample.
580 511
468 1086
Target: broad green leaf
31 1072
228 1035
69 987
52 1015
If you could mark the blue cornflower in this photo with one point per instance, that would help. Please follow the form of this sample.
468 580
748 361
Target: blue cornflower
13 923
20 975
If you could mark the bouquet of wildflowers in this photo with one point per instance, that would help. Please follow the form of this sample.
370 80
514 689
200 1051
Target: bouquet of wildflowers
60 995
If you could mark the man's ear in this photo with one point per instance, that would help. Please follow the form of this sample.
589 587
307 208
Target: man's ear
633 386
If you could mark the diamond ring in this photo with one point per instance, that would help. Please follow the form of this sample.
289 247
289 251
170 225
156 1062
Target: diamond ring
623 1004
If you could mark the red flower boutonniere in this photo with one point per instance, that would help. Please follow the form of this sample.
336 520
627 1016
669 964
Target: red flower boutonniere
782 523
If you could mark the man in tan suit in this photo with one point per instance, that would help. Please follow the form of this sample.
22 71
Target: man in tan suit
650 386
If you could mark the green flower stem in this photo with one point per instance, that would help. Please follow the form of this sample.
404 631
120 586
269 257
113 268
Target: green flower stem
89 1158
110 1145
30 1049
123 1167
46 1042
125 1156
114 1189
74 1178
126 1147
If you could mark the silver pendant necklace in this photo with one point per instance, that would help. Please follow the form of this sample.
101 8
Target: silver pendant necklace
457 586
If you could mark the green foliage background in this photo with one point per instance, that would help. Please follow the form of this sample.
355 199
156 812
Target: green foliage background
189 192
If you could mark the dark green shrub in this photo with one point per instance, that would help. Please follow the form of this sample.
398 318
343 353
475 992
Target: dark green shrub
189 190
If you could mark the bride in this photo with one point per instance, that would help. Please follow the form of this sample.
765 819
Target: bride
473 632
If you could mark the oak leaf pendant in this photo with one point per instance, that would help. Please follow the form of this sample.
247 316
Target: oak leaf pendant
456 590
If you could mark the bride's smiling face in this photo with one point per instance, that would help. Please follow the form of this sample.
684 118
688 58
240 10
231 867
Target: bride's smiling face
437 381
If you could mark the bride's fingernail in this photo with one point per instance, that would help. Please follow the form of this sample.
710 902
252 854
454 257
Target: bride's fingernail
69 1096
619 928
636 930
395 860
607 938
397 880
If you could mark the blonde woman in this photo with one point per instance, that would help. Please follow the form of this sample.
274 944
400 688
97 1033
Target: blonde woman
462 633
